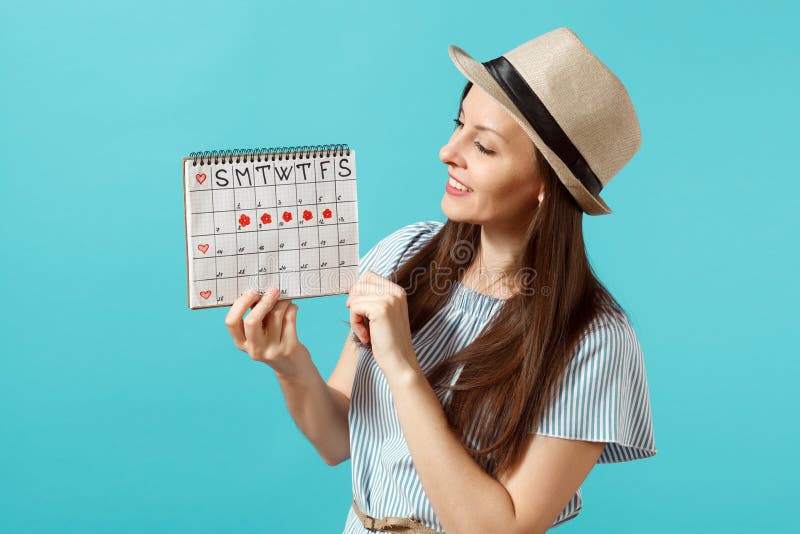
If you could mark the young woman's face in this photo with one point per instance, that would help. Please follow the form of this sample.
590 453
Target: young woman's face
504 183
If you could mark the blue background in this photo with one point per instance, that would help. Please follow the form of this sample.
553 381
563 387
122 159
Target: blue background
124 411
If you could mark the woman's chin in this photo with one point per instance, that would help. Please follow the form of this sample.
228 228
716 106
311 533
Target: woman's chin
454 212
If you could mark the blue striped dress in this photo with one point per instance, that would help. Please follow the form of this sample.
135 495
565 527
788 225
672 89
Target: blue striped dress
603 397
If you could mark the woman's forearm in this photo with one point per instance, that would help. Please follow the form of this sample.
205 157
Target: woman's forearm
464 496
319 411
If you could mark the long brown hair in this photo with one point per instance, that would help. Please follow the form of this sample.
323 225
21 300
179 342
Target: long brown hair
512 369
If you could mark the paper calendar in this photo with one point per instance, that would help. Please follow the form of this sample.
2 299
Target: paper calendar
285 217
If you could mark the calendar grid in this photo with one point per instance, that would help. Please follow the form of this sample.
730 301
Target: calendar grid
316 216
286 241
213 226
277 219
235 229
338 216
297 221
258 230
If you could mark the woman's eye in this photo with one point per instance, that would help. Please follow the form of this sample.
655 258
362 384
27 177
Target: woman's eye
482 149
477 144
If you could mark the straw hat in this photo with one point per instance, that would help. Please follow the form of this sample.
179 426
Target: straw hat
576 111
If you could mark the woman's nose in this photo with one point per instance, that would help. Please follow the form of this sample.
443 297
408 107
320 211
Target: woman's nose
449 153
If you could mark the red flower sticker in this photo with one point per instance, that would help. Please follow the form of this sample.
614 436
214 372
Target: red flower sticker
327 213
307 215
244 220
287 216
265 218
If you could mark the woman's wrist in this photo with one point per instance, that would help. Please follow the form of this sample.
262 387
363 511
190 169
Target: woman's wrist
297 369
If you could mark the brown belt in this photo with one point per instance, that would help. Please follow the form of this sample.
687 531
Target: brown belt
396 524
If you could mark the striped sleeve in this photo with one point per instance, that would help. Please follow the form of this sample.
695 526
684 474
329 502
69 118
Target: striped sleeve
604 395
393 250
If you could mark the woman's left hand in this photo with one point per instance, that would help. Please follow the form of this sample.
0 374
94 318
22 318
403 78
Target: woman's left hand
383 304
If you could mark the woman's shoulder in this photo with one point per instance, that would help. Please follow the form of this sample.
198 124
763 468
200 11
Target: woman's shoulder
409 235
607 375
610 339
400 244
416 230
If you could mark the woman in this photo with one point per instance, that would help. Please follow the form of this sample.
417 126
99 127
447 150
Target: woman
488 369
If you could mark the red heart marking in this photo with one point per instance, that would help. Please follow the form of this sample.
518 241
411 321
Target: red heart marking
205 294
203 248
200 177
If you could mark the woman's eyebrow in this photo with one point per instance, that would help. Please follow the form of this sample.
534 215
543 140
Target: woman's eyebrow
484 128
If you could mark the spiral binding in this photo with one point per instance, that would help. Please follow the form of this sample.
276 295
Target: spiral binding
241 154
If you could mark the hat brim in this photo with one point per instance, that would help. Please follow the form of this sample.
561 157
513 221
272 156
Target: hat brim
478 75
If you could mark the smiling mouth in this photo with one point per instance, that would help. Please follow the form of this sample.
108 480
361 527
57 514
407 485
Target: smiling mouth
458 185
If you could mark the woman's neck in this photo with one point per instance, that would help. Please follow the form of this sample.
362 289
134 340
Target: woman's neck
491 271
499 249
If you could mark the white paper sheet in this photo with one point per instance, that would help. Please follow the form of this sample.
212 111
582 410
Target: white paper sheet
290 223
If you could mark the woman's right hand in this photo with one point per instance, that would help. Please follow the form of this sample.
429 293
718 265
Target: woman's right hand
269 332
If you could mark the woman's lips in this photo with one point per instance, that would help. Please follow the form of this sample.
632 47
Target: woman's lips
450 188
455 192
459 181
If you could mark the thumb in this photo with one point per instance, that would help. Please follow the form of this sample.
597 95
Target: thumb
290 324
